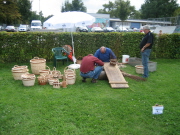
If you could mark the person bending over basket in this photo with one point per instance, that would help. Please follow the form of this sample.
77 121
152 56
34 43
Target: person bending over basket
88 68
105 54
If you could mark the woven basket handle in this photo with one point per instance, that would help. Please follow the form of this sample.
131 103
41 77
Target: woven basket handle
48 68
54 68
15 66
65 69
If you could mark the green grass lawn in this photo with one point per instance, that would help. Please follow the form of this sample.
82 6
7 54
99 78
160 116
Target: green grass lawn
92 109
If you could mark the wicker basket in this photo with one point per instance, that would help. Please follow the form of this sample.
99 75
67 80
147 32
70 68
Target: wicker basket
28 79
56 84
17 71
70 79
20 68
113 62
42 80
48 76
37 64
57 74
44 71
17 74
51 80
139 69
68 71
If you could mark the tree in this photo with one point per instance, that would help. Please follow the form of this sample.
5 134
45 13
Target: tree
124 9
120 9
24 10
76 5
158 8
67 7
177 15
135 15
9 12
34 16
108 9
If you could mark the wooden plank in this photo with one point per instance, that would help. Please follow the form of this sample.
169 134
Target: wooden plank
117 86
118 82
115 76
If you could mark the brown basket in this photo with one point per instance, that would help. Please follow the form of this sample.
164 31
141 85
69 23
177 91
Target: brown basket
113 62
28 79
42 80
37 64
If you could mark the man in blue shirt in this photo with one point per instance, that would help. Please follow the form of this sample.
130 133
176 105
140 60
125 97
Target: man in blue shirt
105 54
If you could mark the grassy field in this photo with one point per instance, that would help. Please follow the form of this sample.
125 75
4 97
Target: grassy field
92 109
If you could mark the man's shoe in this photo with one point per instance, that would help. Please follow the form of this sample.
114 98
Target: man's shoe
144 77
84 79
94 81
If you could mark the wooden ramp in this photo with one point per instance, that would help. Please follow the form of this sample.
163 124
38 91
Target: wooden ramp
115 76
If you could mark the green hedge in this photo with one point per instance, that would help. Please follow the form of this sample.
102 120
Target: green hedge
21 47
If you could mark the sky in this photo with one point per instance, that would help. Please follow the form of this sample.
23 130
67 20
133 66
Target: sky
51 7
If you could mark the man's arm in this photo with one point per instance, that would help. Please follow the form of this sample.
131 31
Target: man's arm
112 55
148 44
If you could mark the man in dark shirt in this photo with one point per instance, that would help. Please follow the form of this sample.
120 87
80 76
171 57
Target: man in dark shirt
145 47
105 54
88 69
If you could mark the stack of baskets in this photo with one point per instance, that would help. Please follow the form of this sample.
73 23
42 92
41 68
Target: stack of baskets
38 67
28 79
17 71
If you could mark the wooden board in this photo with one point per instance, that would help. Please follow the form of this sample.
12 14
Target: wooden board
115 77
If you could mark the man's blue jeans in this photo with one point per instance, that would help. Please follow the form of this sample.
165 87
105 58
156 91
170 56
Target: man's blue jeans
145 59
93 74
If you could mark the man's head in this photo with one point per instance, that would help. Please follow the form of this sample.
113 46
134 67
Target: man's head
103 49
146 29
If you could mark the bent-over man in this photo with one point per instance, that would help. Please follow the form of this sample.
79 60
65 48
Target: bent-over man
105 54
88 69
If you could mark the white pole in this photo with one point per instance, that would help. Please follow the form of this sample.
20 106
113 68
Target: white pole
74 58
39 10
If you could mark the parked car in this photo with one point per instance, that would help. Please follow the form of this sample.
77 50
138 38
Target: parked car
108 29
133 30
83 29
1 28
130 30
10 29
96 29
121 29
23 28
